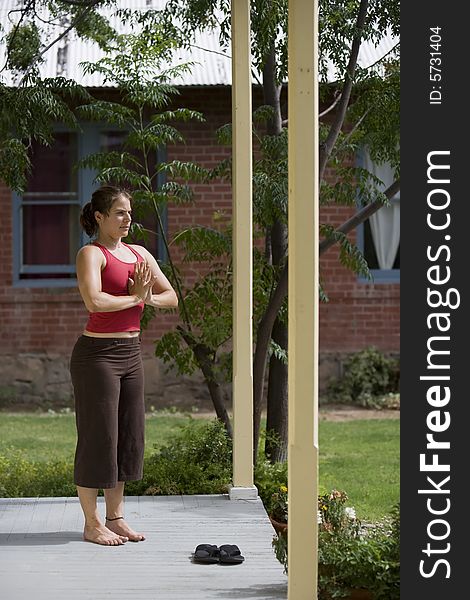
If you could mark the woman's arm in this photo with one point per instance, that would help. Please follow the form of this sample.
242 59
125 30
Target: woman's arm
162 294
89 262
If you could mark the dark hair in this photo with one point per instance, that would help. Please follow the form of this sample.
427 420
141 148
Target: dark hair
102 200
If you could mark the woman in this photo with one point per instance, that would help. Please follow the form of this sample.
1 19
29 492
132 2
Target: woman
115 281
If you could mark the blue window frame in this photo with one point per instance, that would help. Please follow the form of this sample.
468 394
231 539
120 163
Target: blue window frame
365 239
46 230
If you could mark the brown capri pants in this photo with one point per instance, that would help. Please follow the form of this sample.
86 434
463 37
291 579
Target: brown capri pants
108 383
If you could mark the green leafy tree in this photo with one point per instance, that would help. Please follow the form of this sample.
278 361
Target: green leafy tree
362 110
30 108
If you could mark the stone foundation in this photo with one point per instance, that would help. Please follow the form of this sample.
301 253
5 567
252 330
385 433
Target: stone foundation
42 381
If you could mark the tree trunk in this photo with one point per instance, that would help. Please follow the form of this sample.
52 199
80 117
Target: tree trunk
277 237
266 324
203 358
277 423
272 92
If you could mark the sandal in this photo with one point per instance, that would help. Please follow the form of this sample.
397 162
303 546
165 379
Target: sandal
230 554
206 553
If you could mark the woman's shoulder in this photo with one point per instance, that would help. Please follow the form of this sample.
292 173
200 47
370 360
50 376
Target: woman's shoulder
140 249
90 252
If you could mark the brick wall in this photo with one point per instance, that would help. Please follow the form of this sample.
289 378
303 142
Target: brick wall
43 324
358 313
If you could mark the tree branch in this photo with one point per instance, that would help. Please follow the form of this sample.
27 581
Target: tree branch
384 56
361 216
23 11
202 354
331 107
350 133
328 144
322 114
89 4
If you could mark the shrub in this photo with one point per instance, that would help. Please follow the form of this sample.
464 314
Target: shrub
20 478
353 557
269 479
197 461
333 517
368 377
370 560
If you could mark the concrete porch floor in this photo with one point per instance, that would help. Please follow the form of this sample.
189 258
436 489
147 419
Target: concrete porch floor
43 555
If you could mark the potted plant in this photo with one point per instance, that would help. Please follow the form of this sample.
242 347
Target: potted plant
354 562
278 510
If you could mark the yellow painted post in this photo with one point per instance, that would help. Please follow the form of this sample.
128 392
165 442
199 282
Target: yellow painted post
303 300
242 254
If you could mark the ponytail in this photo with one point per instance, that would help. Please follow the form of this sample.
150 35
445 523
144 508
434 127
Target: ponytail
88 221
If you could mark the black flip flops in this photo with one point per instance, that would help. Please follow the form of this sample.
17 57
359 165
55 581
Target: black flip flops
206 553
228 554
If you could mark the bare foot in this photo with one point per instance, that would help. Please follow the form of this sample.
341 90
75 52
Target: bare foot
99 534
120 527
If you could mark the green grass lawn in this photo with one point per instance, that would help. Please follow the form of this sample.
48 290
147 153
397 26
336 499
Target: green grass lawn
42 437
360 457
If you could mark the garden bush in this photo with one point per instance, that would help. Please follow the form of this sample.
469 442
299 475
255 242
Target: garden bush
20 478
197 461
367 379
369 559
269 478
351 556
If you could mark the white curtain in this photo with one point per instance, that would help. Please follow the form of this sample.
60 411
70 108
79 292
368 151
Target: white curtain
385 223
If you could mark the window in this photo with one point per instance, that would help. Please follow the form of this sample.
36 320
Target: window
379 236
47 232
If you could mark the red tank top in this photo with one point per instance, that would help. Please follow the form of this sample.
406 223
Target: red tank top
114 280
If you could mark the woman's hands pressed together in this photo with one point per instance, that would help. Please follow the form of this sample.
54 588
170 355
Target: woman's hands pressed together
143 281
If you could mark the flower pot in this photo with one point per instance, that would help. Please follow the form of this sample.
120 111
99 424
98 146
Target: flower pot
280 528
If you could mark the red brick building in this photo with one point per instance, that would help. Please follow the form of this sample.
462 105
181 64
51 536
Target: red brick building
41 312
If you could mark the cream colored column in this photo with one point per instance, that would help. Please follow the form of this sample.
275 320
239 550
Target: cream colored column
303 300
242 255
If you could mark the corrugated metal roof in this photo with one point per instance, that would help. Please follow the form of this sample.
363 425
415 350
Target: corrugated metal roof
212 63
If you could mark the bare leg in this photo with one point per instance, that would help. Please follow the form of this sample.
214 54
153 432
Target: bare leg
115 508
94 530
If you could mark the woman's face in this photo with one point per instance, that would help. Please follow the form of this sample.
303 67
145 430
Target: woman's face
117 223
